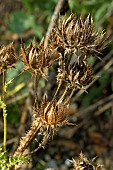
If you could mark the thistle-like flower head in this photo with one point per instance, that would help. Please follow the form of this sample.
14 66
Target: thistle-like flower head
77 36
85 164
7 57
36 58
52 115
75 74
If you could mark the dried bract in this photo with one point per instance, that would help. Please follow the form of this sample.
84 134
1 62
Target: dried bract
7 57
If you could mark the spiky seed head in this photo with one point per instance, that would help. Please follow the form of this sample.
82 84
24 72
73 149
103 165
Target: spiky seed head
7 57
36 58
78 36
75 74
83 163
52 115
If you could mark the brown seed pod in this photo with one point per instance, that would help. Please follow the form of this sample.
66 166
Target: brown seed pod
52 115
30 54
7 57
37 59
74 74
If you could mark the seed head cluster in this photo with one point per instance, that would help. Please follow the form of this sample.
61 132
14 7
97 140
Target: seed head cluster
75 74
76 40
71 42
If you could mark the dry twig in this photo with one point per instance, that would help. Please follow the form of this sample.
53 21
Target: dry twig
54 19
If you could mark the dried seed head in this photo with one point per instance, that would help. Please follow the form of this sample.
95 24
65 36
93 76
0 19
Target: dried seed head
30 56
52 115
76 36
75 74
7 57
84 164
36 58
76 39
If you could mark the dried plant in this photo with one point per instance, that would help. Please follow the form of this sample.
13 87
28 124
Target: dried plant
36 58
84 164
47 119
76 40
79 37
7 57
71 42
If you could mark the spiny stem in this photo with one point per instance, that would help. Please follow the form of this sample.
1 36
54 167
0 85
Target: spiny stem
29 136
42 144
3 84
4 113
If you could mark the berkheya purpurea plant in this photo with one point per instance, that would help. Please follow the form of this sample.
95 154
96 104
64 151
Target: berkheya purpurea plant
71 43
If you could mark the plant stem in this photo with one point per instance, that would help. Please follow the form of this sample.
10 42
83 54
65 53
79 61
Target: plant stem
57 90
69 97
36 80
63 95
4 114
53 21
3 84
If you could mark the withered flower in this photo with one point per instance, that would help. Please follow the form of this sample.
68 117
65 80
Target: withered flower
7 57
74 74
52 115
84 164
76 40
36 58
77 36
47 119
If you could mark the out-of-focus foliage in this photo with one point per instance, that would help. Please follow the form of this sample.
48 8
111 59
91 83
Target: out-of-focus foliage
7 164
35 15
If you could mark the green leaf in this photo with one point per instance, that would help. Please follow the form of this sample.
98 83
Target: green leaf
101 11
19 21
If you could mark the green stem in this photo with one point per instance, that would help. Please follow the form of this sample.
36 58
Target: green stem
3 84
5 132
4 115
